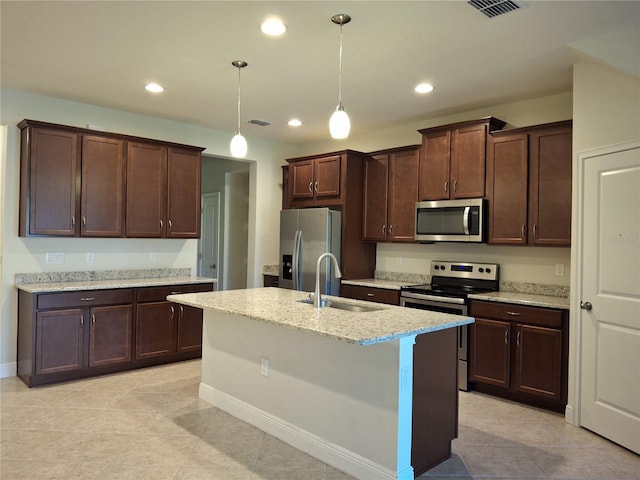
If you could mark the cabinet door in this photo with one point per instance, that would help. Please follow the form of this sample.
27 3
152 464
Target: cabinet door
374 215
327 177
403 195
183 193
301 178
102 187
155 329
59 341
189 328
468 158
550 187
146 187
434 165
507 189
110 335
489 352
52 201
538 365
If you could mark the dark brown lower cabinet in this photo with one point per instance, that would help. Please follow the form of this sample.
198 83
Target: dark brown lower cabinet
520 352
69 335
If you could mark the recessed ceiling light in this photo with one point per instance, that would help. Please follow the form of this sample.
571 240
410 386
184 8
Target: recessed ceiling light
154 88
294 122
273 27
424 88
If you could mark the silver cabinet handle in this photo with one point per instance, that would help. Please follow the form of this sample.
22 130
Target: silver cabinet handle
311 187
514 314
371 294
93 318
390 229
506 336
161 224
175 292
518 338
84 221
169 223
446 187
535 230
87 299
316 187
173 312
181 310
384 230
73 221
524 229
586 306
455 186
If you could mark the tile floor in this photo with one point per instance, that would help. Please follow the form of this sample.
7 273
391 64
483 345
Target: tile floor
150 424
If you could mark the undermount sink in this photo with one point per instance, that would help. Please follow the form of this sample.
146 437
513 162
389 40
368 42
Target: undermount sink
344 306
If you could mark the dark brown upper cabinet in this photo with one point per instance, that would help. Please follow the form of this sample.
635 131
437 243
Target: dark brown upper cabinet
390 194
529 185
452 159
79 182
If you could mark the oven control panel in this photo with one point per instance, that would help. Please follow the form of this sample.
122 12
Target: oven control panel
482 271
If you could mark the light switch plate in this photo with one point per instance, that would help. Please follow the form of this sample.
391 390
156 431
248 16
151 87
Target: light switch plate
54 258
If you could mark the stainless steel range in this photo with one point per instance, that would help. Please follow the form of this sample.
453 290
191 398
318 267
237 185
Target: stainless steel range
451 284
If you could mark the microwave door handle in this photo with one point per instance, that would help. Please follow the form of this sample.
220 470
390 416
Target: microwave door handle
465 220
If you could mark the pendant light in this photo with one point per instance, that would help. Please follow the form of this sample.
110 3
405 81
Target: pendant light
238 145
339 124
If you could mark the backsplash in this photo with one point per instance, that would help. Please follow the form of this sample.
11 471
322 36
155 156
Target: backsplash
48 277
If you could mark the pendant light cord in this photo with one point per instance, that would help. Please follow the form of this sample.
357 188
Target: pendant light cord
238 131
340 70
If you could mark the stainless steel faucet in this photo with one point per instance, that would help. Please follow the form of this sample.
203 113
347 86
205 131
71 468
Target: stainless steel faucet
317 298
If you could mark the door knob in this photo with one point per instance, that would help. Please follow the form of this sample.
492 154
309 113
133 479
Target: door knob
586 306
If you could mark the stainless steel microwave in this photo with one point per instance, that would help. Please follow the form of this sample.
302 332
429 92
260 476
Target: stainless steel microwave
451 221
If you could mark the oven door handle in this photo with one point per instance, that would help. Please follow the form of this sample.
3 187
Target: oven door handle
433 298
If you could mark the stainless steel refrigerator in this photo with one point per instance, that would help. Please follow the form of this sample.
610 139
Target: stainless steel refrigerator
305 234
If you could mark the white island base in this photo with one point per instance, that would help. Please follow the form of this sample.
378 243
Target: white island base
355 404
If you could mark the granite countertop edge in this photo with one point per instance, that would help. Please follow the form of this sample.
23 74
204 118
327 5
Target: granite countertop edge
284 308
528 299
68 286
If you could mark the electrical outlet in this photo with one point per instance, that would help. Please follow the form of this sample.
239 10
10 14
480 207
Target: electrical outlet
560 269
91 257
54 258
264 367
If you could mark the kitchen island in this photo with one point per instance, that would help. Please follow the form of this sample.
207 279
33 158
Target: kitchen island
373 393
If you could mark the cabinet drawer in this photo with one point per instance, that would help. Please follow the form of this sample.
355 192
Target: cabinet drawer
85 298
517 313
380 295
159 294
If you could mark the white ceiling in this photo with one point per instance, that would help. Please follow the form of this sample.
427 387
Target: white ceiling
103 52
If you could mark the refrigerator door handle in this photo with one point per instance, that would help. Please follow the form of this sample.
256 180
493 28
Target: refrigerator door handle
296 260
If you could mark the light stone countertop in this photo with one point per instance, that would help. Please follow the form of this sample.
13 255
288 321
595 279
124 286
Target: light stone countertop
283 307
52 287
523 299
378 283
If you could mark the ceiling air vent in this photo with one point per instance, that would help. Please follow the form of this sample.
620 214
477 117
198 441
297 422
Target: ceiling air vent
493 8
262 123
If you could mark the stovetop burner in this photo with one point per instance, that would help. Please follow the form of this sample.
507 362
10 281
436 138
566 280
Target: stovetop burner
457 280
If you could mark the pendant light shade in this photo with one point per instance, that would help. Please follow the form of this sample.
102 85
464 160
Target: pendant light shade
339 123
238 146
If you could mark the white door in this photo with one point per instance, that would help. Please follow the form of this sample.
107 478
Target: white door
209 243
610 294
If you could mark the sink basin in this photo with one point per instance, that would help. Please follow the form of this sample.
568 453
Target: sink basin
350 307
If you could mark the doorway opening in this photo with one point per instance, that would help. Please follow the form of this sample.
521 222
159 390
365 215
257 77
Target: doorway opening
223 246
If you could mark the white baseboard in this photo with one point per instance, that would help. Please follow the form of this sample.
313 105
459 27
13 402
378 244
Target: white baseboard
334 455
8 369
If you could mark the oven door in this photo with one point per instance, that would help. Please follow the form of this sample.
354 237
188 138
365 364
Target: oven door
412 301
